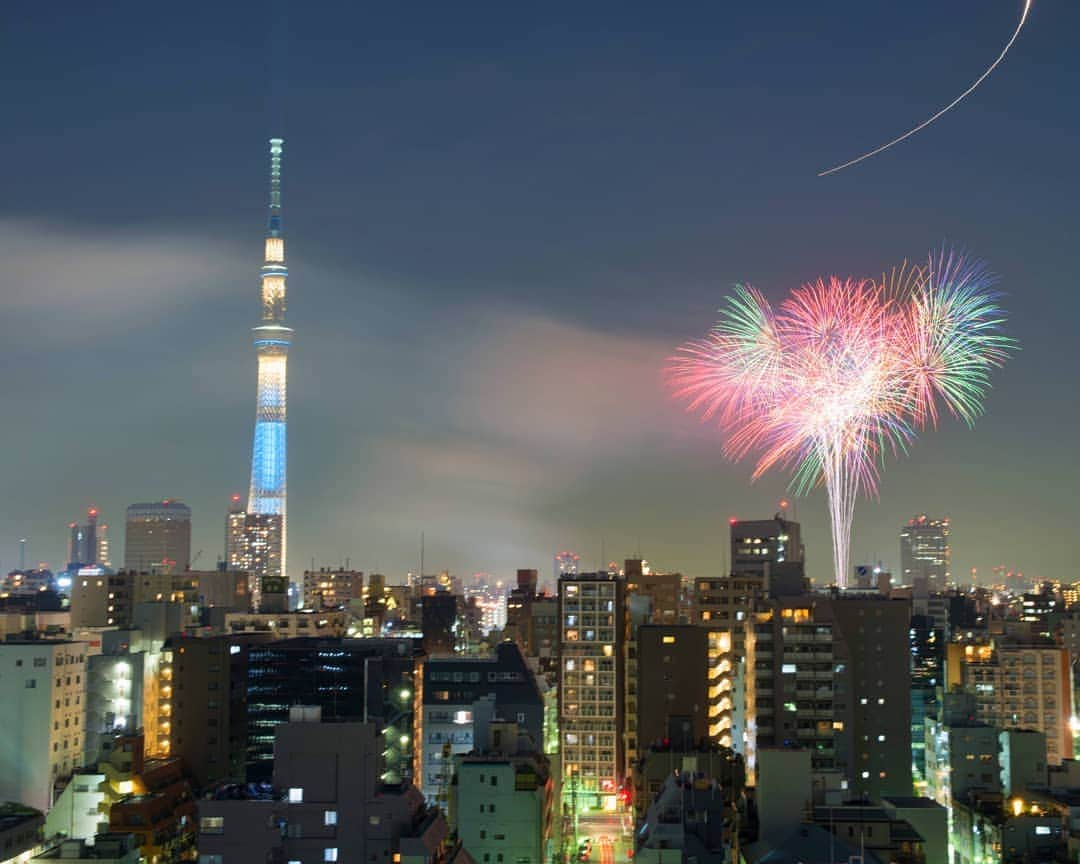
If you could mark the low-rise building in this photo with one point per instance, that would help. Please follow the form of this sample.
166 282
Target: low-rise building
21 832
326 803
687 823
502 803
105 849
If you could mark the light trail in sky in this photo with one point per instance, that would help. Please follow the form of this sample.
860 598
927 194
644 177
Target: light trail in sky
947 108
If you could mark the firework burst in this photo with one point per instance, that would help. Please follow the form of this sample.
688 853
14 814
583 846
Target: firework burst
844 372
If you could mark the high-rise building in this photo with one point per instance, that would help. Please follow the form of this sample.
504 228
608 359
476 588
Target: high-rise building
83 545
672 685
758 543
157 536
267 491
260 556
104 558
592 684
872 680
348 679
925 556
234 534
1018 685
204 696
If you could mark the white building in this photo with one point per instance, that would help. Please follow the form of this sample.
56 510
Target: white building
42 713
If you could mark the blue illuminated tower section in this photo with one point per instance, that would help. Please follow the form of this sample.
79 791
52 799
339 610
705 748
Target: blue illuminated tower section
267 493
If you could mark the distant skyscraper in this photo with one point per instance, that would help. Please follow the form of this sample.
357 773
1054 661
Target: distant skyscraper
755 543
260 556
103 556
924 552
83 543
266 494
157 536
234 534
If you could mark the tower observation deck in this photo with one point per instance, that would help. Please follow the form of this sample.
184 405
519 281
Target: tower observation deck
272 337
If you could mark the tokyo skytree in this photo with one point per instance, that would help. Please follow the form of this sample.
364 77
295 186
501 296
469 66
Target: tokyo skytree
266 523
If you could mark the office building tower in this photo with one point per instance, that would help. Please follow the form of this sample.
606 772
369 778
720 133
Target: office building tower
42 713
925 557
1018 685
234 534
758 543
330 588
157 536
790 699
267 491
872 681
203 706
462 697
592 682
672 685
83 544
348 679
260 557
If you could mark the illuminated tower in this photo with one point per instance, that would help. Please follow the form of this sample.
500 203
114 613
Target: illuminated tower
266 495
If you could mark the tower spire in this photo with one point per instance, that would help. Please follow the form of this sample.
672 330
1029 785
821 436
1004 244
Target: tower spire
276 147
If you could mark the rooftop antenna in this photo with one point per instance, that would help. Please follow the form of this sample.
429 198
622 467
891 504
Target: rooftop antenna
421 574
22 554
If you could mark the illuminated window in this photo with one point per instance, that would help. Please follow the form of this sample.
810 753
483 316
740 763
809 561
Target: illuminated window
330 817
789 669
669 640
296 795
330 854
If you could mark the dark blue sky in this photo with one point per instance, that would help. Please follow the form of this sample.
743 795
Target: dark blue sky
501 218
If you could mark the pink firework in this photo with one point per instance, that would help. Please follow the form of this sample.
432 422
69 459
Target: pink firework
844 371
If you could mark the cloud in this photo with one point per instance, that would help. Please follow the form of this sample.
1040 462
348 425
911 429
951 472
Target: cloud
62 285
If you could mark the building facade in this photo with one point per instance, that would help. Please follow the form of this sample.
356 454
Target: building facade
592 681
42 713
461 698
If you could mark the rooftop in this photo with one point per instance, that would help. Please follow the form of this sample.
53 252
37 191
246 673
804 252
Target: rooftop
13 815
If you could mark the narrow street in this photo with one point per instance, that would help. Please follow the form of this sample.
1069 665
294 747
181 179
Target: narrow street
611 836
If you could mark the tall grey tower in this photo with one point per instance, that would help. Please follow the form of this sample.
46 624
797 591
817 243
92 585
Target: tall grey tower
267 493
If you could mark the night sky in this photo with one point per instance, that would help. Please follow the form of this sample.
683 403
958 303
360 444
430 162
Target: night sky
501 218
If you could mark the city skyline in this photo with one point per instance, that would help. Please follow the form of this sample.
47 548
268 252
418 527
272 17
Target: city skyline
487 331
